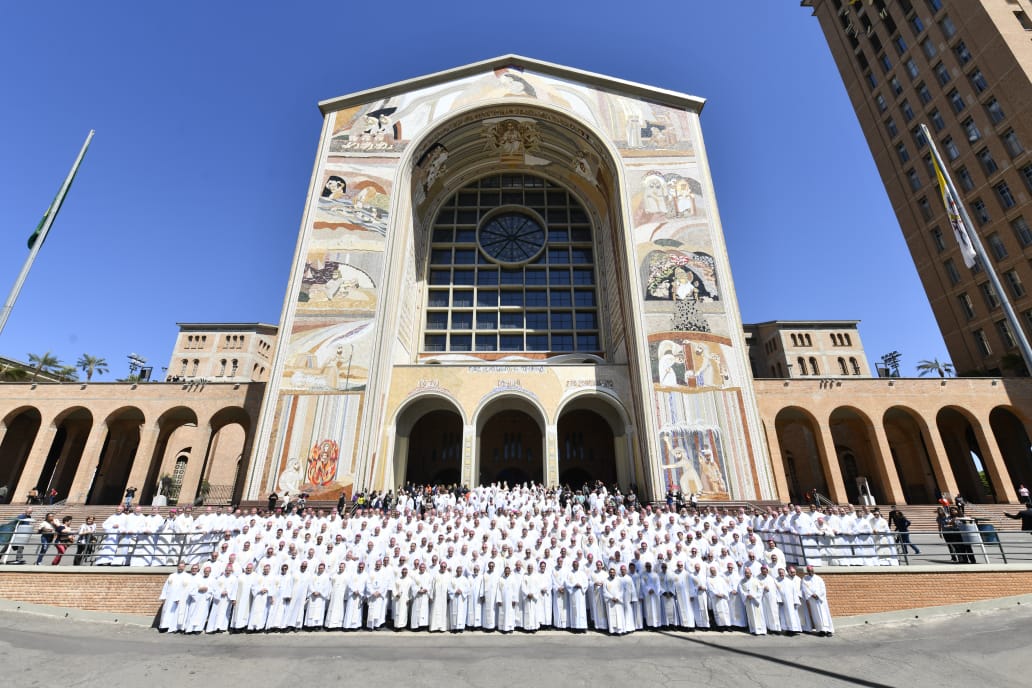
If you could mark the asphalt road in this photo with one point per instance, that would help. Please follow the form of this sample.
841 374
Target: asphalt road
981 648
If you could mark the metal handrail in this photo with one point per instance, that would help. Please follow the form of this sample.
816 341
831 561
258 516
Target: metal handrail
115 549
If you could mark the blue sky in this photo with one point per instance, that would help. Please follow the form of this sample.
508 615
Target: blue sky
188 204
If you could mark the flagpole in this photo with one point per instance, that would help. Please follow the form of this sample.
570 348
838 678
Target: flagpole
976 244
8 306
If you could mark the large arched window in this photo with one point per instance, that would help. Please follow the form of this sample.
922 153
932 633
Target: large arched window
511 269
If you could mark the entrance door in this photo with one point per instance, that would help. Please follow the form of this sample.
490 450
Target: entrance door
586 450
435 450
511 449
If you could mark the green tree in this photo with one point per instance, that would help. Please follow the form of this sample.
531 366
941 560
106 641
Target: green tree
43 363
12 373
67 373
941 368
92 364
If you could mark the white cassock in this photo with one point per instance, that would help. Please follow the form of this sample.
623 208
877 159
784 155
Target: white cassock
815 593
530 597
459 589
597 604
242 601
613 593
376 592
174 598
107 553
488 593
668 599
438 593
684 606
224 590
750 591
294 614
719 599
698 587
263 591
318 598
770 603
356 596
789 602
338 599
578 587
474 609
419 611
507 602
651 596
737 603
198 603
401 593
279 602
632 603
561 598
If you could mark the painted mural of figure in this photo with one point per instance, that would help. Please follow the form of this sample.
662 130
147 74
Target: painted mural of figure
690 481
670 357
322 466
290 479
335 188
654 201
711 471
684 198
685 288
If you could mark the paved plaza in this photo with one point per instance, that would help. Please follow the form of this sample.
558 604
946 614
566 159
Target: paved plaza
984 648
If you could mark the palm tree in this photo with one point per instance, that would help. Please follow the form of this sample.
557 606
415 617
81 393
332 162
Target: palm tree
92 364
67 373
943 368
43 363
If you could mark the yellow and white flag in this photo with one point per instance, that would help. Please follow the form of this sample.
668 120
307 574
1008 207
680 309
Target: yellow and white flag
960 229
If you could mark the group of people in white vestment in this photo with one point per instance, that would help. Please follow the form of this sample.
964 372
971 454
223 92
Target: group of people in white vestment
496 559
830 536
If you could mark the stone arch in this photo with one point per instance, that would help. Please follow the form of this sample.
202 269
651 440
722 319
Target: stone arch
910 445
511 436
799 440
18 432
858 455
116 455
72 428
409 423
606 457
228 444
171 443
967 458
1010 433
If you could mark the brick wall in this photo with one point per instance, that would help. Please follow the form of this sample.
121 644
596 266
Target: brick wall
850 593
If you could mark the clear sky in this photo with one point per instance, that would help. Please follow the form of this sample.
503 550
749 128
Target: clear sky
188 205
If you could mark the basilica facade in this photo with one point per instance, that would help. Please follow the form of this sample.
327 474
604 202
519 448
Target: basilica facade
511 271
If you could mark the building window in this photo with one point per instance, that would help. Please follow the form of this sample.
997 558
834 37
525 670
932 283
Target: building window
926 208
809 342
882 105
934 5
1003 192
929 165
855 365
971 130
1023 19
914 179
901 151
1010 140
869 78
919 138
923 93
1005 334
1022 231
956 101
962 53
978 81
937 120
928 48
842 366
952 152
1026 174
966 181
890 126
941 73
967 306
916 25
989 295
182 370
886 65
900 44
542 299
896 86
908 112
986 159
814 370
981 212
196 365
996 246
911 67
801 363
233 370
222 368
1017 289
951 271
995 110
949 30
937 240
982 342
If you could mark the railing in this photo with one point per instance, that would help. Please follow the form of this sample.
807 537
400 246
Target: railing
896 549
112 549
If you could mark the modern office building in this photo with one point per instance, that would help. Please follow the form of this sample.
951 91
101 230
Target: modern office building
962 67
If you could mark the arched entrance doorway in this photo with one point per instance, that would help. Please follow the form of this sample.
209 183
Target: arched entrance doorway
20 429
62 463
966 457
909 447
799 440
435 450
511 445
1011 438
585 449
852 433
116 456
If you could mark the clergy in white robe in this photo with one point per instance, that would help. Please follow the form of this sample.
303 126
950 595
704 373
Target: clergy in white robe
578 587
224 591
698 588
242 599
613 593
113 527
488 593
737 603
530 597
377 592
280 600
294 614
770 600
750 591
459 590
632 583
319 589
356 598
507 600
263 591
438 593
198 601
174 600
419 610
789 600
338 597
474 609
651 597
401 596
815 593
719 593
597 604
668 596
